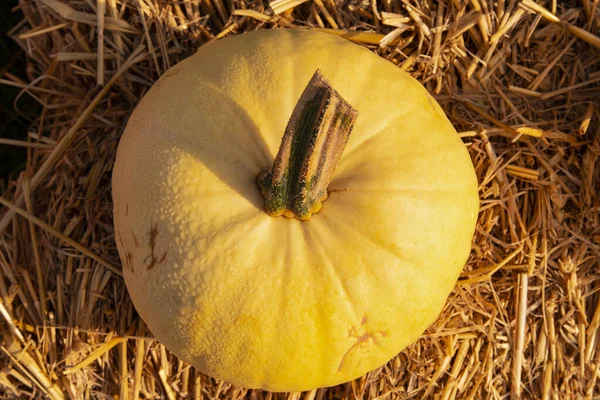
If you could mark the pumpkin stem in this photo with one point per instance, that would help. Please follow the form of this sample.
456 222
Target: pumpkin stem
310 150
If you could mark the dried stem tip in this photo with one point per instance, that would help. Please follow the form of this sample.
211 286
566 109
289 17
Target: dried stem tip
310 150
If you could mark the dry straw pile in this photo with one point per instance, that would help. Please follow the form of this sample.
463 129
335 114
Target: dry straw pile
519 79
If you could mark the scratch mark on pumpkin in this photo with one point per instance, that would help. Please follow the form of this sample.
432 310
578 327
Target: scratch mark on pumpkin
135 240
363 335
174 70
129 260
154 259
126 209
128 255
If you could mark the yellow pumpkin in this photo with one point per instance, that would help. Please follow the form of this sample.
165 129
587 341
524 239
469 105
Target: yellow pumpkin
285 304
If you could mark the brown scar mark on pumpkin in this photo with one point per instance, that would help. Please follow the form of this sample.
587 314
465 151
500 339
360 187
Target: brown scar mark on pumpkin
337 190
126 209
154 259
135 240
363 334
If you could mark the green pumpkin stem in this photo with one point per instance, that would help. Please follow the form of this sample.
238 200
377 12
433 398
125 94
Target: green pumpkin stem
310 150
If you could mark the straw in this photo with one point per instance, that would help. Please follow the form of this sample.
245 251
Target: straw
518 79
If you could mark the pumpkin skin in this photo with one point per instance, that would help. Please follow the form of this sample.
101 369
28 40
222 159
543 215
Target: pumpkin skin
277 303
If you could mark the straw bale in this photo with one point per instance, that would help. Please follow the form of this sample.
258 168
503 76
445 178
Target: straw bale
520 80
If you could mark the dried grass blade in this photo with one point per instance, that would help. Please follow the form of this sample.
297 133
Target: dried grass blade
392 37
139 363
36 32
582 34
393 19
94 355
100 11
71 56
594 376
36 252
568 89
253 14
354 36
587 118
20 143
11 323
490 118
281 6
71 14
521 172
523 91
521 312
533 132
415 16
437 39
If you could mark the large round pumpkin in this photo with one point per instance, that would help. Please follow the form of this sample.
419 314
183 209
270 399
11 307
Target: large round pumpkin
279 303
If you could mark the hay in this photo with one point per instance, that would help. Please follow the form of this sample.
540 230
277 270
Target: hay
521 83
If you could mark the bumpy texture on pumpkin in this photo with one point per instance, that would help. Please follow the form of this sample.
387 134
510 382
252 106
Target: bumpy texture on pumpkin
277 303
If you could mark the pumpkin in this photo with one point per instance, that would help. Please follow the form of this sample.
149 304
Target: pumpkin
296 263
